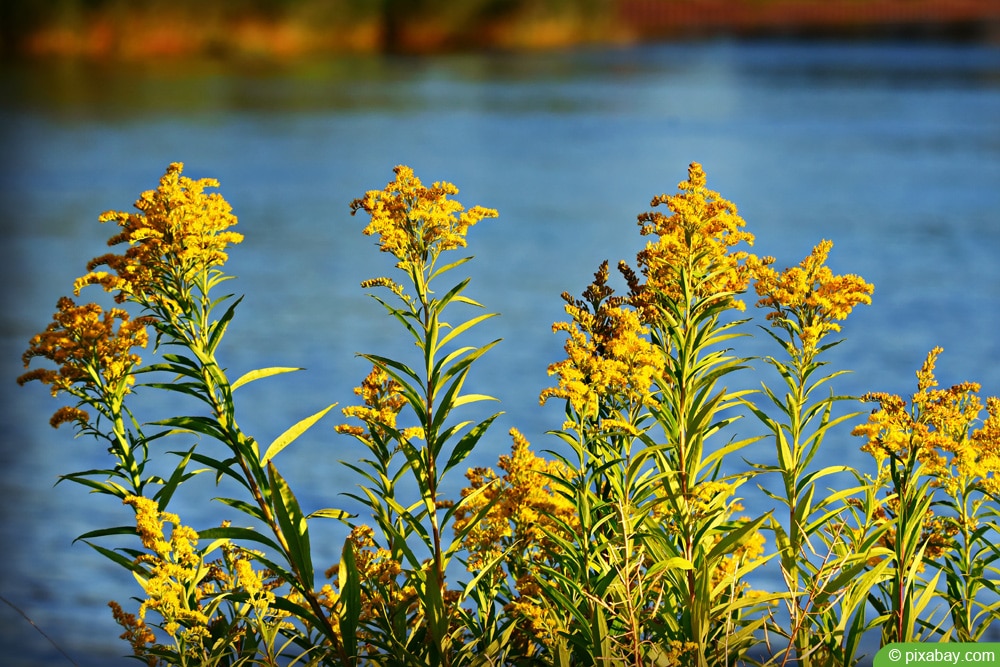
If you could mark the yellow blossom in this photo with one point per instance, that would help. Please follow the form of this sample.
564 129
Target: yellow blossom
939 432
179 231
416 223
382 404
608 352
523 511
693 245
174 570
137 634
939 429
524 506
93 351
379 574
808 300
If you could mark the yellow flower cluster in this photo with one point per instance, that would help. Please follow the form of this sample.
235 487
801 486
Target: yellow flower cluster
523 510
179 231
382 404
808 299
415 223
936 534
939 430
91 353
139 636
379 574
609 354
696 239
524 506
175 566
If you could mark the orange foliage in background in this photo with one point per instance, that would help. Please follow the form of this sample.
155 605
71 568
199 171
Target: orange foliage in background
297 28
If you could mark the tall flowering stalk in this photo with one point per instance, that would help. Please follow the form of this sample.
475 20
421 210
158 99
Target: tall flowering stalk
94 351
928 455
641 383
825 588
601 564
693 277
417 224
175 247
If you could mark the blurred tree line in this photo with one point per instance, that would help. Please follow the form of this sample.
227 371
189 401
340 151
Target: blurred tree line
458 21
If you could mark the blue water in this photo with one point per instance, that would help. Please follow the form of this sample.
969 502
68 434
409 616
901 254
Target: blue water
890 150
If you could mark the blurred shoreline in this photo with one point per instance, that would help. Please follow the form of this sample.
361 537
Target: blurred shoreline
153 30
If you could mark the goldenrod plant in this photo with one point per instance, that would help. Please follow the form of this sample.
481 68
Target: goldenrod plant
939 472
624 542
826 575
414 618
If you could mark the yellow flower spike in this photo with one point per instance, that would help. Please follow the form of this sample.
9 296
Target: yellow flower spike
697 238
178 232
524 506
807 300
93 350
382 404
416 223
137 633
608 354
174 565
938 430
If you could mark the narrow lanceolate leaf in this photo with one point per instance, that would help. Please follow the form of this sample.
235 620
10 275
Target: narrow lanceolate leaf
468 443
349 581
330 513
243 506
179 475
293 525
124 561
104 532
237 533
218 329
260 373
292 433
465 326
203 425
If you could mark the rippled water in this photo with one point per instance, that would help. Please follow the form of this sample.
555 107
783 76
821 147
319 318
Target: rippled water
891 150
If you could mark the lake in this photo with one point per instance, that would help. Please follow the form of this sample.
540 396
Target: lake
892 150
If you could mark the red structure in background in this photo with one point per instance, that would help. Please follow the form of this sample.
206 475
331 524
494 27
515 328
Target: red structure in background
676 18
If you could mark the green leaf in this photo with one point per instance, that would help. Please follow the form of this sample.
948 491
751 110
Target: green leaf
104 532
237 533
218 329
330 513
195 389
293 525
179 475
465 326
349 581
204 425
243 506
468 442
292 433
261 373
449 267
124 561
110 488
673 563
221 468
